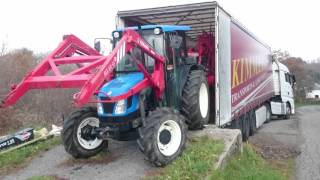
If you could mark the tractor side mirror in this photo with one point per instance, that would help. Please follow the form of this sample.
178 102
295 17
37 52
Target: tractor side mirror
97 46
175 41
103 45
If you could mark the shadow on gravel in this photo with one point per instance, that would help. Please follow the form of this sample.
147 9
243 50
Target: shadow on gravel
102 158
279 143
270 148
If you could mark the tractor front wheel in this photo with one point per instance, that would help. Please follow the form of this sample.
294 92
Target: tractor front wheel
163 136
77 136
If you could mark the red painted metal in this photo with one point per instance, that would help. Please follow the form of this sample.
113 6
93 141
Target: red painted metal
206 50
94 70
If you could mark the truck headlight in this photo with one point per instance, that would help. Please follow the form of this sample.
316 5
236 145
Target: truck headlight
120 107
100 108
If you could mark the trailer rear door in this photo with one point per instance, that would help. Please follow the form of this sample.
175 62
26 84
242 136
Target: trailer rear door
223 69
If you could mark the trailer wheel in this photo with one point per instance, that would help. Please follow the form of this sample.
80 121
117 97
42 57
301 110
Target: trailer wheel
288 111
195 100
76 134
163 136
245 127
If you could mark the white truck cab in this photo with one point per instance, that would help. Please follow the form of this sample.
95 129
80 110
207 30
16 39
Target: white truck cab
283 102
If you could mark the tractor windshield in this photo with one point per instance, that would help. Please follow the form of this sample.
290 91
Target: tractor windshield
126 65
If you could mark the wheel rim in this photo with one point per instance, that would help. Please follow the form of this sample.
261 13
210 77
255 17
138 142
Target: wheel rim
203 100
88 144
169 137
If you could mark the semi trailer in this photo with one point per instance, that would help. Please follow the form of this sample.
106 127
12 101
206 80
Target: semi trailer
171 69
248 80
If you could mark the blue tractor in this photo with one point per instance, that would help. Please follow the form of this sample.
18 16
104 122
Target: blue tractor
159 124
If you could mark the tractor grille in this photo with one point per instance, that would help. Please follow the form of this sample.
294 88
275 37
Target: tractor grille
107 107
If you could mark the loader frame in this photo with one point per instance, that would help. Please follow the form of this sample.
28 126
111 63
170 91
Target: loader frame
93 70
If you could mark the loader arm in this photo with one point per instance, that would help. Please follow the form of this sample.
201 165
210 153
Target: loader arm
95 70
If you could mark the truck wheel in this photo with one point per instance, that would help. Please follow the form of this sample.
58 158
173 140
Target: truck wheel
76 134
163 136
245 127
195 100
288 111
253 126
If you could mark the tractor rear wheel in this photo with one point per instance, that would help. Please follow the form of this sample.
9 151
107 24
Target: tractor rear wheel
77 136
163 136
195 100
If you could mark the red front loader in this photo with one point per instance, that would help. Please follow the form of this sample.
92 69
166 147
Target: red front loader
147 88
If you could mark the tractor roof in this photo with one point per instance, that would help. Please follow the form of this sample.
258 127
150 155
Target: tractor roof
165 28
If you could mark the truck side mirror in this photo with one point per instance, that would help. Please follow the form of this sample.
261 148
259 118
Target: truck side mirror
293 79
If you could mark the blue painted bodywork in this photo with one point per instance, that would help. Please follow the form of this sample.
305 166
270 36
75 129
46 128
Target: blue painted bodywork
119 86
165 28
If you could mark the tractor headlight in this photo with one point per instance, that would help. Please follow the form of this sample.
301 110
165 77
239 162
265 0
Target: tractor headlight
120 107
157 31
100 108
116 34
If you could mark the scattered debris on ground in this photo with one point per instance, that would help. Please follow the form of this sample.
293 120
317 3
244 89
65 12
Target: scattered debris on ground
26 137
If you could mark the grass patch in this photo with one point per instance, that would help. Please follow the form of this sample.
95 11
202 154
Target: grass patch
196 161
286 166
43 178
306 102
18 158
249 165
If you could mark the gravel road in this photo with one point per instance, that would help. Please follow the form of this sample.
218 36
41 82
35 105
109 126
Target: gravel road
122 161
308 162
296 138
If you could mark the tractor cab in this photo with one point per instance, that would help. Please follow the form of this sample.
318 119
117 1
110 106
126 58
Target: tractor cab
168 41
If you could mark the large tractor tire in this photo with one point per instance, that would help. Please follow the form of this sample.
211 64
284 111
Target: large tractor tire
76 134
162 136
195 100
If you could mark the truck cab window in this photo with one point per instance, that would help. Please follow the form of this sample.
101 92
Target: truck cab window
287 76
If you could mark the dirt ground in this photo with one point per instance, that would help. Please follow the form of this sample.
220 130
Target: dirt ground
292 145
278 140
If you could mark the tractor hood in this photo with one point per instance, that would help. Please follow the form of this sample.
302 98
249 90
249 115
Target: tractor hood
121 84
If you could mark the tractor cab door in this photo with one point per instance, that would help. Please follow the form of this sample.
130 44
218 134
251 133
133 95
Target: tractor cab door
176 53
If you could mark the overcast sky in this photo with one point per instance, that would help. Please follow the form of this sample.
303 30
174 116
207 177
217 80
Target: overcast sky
39 25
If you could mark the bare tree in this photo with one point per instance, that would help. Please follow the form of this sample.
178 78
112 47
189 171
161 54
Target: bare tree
280 54
3 48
